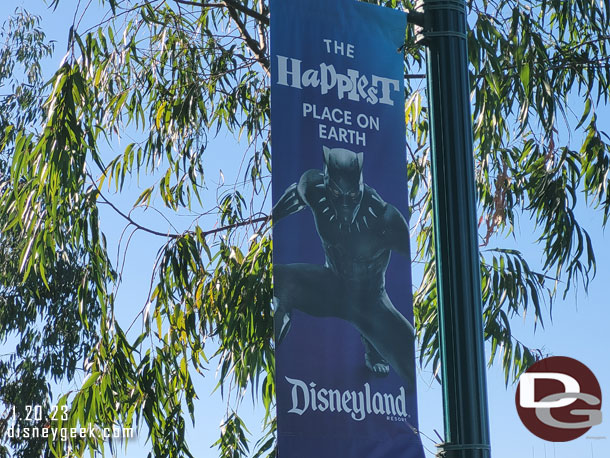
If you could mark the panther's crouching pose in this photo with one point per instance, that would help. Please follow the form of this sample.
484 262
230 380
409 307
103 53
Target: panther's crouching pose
358 230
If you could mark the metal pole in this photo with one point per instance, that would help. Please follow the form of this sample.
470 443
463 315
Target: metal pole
455 233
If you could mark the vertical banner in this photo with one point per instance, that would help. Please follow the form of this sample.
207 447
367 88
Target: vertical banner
345 361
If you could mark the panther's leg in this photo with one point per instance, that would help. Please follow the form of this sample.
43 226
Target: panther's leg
309 288
373 360
281 320
389 332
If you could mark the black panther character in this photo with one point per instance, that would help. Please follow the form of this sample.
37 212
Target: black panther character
358 230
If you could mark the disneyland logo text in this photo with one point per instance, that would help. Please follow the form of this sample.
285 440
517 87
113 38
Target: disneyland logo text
358 404
352 84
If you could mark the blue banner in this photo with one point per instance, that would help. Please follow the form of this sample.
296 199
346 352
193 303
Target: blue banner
345 363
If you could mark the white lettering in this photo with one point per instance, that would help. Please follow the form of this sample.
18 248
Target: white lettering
322 399
338 47
385 88
358 412
527 388
335 400
356 87
378 404
294 72
357 404
345 399
340 134
297 386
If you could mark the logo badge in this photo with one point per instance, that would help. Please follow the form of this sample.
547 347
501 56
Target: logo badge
559 399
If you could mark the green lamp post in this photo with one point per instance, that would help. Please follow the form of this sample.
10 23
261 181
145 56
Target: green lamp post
455 231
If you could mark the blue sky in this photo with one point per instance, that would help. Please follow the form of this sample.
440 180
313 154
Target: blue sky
579 328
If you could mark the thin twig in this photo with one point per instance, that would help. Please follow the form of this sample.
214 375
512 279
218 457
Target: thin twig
247 222
232 4
137 225
251 42
171 235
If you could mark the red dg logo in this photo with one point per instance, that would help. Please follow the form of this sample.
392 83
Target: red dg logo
559 399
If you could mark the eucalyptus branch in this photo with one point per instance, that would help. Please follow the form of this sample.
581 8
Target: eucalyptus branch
262 220
592 41
560 60
251 42
174 235
231 4
262 39
258 47
134 223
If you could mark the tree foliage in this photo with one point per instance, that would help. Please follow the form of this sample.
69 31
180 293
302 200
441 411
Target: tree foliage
141 95
44 326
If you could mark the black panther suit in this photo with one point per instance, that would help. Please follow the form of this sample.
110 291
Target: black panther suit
358 231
